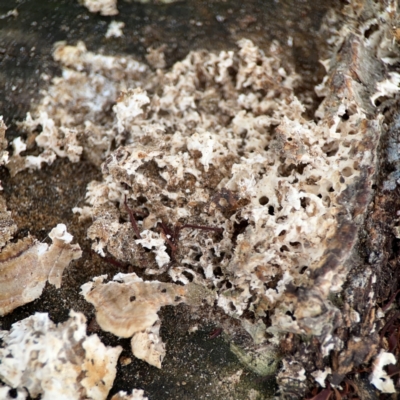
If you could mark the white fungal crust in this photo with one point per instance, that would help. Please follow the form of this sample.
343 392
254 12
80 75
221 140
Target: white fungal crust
156 57
7 224
224 144
73 113
3 142
320 376
128 307
56 361
25 267
115 29
136 394
379 377
104 7
232 188
293 375
6 394
148 346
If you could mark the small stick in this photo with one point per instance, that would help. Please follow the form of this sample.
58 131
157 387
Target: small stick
166 229
173 238
167 232
389 324
215 333
384 308
133 220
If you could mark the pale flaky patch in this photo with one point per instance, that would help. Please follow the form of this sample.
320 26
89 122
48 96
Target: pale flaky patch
379 377
233 186
115 29
104 7
7 224
57 361
25 267
128 307
72 115
136 394
225 144
3 142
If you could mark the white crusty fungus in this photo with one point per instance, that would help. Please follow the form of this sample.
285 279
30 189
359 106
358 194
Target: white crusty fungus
136 394
3 142
128 307
56 361
379 377
25 267
224 144
219 181
104 7
76 105
218 141
115 29
7 225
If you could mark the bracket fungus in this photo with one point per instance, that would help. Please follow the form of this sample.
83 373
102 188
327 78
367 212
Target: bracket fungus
25 267
128 307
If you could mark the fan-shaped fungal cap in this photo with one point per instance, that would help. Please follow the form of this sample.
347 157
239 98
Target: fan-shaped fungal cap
25 267
128 306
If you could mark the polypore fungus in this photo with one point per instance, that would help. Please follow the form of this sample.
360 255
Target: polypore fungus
128 307
25 267
56 361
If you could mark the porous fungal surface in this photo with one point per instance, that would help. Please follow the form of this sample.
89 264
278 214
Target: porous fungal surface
56 361
229 185
74 113
27 265
213 178
128 307
219 141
